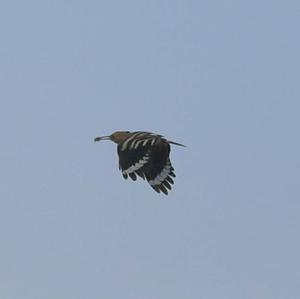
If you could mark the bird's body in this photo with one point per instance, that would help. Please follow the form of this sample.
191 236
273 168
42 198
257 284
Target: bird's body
144 154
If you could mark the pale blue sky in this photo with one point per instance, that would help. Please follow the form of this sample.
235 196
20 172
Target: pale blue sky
221 77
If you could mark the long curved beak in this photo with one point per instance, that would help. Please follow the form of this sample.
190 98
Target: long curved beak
102 138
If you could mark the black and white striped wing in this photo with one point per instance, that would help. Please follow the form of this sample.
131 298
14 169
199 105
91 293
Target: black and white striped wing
132 161
134 153
159 170
147 155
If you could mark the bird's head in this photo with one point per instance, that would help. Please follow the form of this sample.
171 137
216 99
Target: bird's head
116 137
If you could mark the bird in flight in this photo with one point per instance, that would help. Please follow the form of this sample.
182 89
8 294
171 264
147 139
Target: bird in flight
146 155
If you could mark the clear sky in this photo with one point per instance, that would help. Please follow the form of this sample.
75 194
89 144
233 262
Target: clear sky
221 77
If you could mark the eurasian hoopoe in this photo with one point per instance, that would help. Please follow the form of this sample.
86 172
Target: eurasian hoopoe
144 154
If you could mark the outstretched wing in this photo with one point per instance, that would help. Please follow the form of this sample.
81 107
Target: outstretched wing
132 161
134 153
159 170
147 155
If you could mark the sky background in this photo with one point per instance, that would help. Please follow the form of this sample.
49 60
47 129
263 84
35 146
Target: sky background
221 77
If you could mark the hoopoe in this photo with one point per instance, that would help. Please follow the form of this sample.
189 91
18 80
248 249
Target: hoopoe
144 154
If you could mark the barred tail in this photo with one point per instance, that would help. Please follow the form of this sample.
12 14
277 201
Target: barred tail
172 142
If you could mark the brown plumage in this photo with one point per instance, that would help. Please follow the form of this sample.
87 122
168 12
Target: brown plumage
144 154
